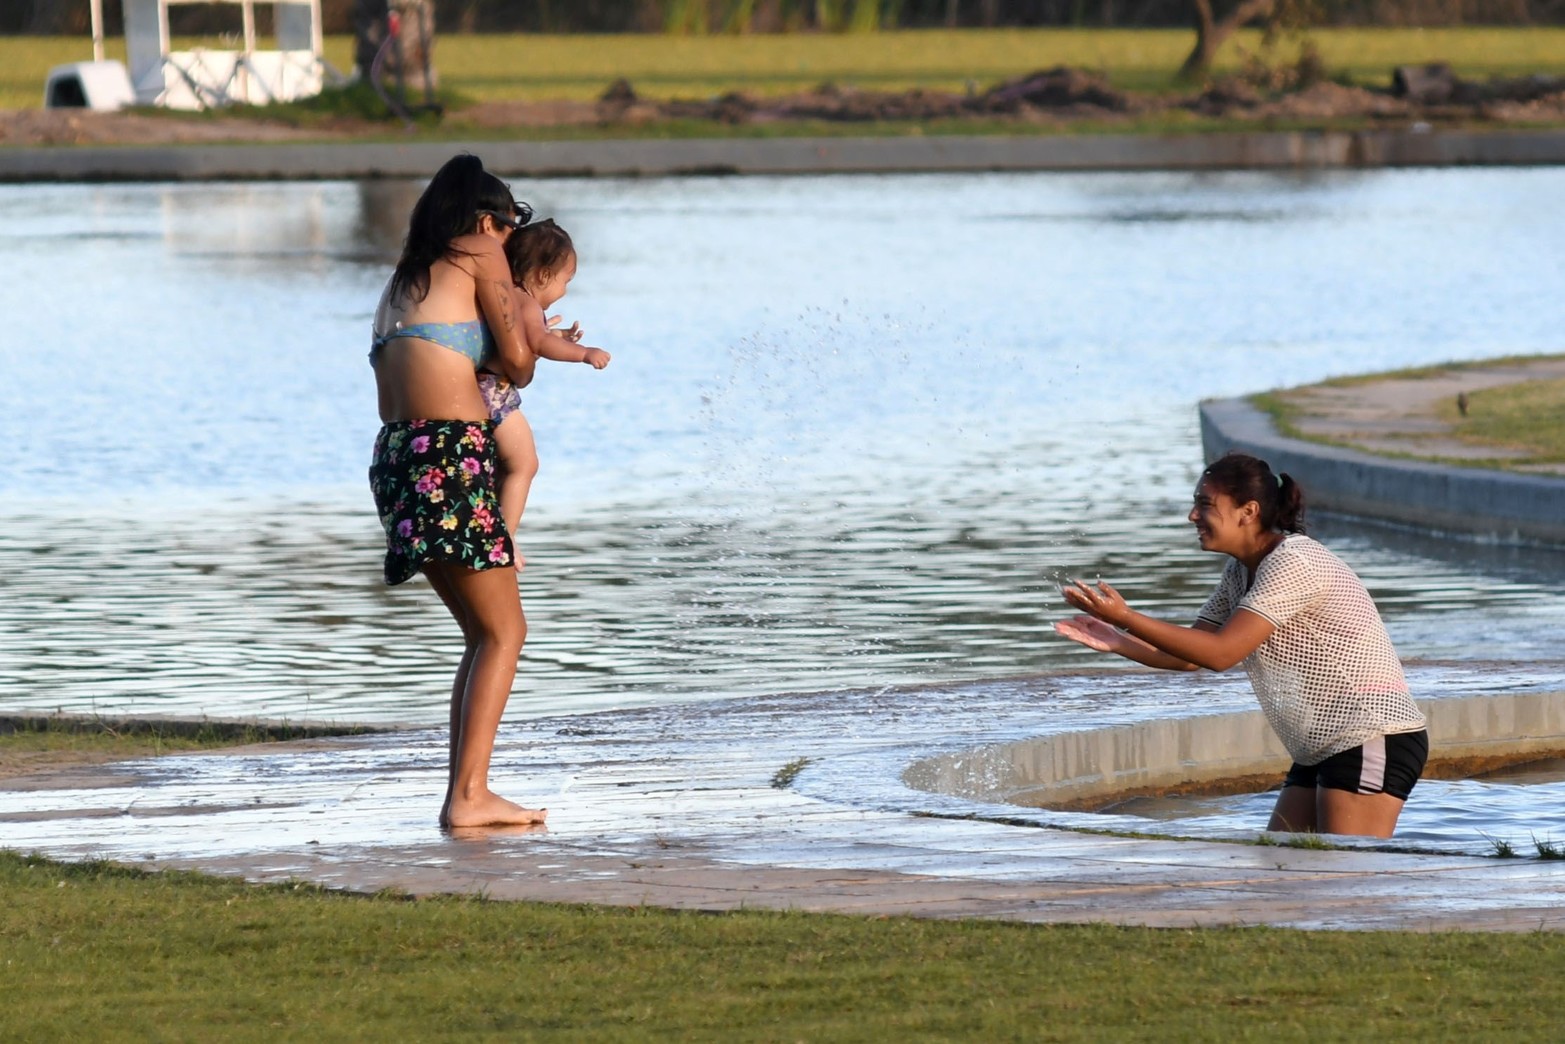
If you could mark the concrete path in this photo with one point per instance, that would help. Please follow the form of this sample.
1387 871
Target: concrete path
681 807
1259 150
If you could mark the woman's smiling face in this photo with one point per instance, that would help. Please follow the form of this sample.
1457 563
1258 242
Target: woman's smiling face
1219 521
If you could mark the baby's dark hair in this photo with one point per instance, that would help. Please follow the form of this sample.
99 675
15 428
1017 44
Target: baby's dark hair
540 245
1246 478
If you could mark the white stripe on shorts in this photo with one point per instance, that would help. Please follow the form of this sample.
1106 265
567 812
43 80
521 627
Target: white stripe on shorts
1372 770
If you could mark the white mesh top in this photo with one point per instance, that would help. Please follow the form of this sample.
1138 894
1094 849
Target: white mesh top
1327 678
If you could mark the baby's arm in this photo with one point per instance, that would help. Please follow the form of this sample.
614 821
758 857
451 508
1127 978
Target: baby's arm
548 344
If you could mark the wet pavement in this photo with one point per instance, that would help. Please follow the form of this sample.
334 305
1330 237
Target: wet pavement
788 802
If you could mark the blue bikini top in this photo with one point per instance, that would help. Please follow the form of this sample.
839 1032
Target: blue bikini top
471 339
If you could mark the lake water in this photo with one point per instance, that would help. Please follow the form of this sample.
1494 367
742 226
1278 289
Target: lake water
855 431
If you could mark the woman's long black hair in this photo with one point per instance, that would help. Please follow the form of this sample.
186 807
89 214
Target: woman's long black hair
1246 478
448 208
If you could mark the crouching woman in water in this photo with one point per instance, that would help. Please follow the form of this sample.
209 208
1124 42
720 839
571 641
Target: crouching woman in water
448 310
1310 639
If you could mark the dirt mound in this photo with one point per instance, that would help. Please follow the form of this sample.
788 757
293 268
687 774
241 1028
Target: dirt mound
1054 89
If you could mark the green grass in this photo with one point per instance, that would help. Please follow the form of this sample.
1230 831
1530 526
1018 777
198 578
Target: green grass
1529 416
502 67
109 953
27 734
95 952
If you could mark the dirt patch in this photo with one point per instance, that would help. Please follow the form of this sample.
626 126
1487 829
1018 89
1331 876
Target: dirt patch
50 766
36 127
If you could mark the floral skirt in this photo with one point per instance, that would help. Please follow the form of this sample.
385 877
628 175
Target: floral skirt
434 486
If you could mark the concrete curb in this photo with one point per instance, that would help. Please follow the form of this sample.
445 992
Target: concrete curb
1095 765
662 158
1498 506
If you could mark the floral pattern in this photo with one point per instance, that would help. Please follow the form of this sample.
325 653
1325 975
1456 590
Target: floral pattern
434 486
500 396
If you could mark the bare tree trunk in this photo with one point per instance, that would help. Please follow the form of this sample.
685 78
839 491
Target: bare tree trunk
990 13
1211 33
951 6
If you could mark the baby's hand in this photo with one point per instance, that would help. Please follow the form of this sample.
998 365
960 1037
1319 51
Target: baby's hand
572 333
597 358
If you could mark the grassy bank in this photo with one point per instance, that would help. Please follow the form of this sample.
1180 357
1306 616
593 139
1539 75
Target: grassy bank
100 953
1529 417
1525 419
33 737
506 67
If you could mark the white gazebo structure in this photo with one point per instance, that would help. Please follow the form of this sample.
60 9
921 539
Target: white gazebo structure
203 79
198 78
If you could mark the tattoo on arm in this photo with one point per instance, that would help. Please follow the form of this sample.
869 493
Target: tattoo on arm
507 306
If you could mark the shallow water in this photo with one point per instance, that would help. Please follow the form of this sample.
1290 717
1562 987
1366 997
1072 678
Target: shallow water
855 431
1505 814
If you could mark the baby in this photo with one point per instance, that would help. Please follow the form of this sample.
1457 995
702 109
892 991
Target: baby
543 263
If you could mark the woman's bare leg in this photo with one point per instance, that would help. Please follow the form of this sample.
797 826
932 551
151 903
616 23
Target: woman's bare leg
486 604
518 466
1294 812
442 587
1358 815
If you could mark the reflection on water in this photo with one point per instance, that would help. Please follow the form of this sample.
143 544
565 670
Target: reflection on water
855 432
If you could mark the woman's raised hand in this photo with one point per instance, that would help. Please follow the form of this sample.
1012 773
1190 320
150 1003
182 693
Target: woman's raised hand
1099 599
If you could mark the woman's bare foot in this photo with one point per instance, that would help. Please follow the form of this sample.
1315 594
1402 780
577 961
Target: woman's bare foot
487 809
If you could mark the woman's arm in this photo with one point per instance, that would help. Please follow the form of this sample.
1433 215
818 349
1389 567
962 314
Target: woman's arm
486 263
1216 650
1095 634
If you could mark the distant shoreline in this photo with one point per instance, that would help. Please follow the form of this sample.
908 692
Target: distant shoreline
1261 150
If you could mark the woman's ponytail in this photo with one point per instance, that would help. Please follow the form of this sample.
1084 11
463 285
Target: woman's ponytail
1245 478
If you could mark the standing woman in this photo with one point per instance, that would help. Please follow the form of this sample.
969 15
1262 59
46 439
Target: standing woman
447 310
1310 639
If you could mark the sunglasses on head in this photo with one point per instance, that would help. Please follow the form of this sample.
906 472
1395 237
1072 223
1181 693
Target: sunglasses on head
520 214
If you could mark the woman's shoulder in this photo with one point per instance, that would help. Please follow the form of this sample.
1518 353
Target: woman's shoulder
472 253
1297 552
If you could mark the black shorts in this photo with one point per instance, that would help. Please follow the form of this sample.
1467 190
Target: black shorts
1383 765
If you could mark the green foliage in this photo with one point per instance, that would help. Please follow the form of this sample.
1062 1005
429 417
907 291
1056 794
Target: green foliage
687 16
353 101
1502 848
783 778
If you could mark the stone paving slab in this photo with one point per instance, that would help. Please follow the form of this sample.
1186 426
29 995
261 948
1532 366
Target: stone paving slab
357 813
